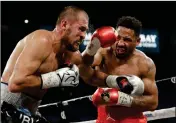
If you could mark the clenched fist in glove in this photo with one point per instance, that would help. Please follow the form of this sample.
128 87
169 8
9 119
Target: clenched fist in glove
111 96
67 76
129 84
102 37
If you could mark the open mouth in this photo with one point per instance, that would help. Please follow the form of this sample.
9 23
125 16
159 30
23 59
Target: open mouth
78 42
121 50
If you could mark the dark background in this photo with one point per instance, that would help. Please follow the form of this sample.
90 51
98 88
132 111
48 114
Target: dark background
154 15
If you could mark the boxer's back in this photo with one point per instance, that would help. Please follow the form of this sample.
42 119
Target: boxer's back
135 65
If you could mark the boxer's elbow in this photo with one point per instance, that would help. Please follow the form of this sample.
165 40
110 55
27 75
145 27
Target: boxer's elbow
145 103
13 88
153 105
15 85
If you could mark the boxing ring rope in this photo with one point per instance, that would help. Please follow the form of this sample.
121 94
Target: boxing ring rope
151 115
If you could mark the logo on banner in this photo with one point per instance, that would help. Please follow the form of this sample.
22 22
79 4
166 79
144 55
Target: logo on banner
148 41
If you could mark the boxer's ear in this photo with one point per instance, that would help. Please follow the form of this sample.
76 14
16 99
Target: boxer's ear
64 24
138 40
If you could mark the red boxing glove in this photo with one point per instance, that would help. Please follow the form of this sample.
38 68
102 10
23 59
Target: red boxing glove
96 97
103 37
111 96
106 36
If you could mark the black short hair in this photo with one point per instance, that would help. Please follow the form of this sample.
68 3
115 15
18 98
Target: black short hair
130 22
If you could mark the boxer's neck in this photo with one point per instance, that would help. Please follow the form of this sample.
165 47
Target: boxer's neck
57 34
123 59
58 44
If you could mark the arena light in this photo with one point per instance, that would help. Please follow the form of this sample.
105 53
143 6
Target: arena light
26 21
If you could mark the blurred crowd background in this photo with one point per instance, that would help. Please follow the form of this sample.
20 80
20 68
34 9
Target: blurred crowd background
158 36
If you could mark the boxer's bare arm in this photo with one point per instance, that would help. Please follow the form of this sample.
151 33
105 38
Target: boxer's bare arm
36 50
92 76
87 59
149 100
11 61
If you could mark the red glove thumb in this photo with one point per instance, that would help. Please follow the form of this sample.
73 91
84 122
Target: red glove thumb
108 96
106 36
96 97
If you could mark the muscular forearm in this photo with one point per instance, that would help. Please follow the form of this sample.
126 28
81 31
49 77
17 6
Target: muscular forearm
24 83
67 76
87 59
112 97
99 79
144 103
91 76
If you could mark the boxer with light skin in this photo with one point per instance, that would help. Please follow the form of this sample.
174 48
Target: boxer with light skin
38 63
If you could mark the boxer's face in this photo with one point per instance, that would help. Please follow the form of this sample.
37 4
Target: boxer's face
76 32
126 42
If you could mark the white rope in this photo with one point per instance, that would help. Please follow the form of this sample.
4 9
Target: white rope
90 121
160 114
46 105
79 98
151 115
173 79
64 102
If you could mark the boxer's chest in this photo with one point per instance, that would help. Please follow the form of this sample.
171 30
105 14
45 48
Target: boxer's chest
112 66
54 62
51 63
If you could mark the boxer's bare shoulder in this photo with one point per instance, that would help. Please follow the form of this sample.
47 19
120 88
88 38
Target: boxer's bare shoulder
41 40
39 35
144 62
74 57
